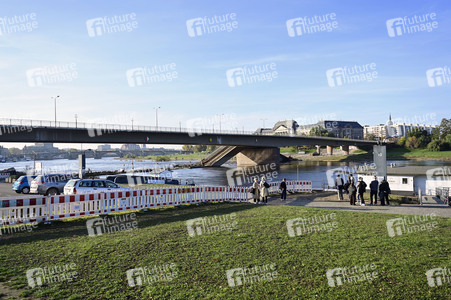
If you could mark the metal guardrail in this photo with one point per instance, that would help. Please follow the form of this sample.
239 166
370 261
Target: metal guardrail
443 194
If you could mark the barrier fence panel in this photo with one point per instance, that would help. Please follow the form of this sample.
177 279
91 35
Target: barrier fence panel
19 211
60 207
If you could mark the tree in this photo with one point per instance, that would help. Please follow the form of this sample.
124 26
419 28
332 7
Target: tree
15 151
211 148
320 131
200 148
434 146
188 148
402 141
371 137
442 131
412 142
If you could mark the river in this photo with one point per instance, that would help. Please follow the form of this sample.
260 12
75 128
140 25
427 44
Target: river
314 171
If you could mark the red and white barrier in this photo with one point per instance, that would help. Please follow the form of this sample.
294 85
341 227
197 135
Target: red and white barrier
19 211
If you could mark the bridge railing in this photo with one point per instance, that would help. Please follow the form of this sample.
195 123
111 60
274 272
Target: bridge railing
23 124
21 211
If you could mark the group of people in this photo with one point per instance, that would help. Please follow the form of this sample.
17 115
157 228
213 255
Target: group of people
357 191
261 191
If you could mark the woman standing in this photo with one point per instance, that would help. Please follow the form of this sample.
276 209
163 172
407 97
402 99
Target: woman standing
256 190
352 192
264 190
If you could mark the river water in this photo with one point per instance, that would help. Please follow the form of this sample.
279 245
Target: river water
314 171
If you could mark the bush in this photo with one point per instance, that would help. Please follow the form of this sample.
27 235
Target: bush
402 141
434 146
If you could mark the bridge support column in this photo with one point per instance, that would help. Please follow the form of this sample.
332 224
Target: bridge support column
318 149
345 149
330 150
257 156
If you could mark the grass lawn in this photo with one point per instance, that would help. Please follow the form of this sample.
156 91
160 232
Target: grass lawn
201 262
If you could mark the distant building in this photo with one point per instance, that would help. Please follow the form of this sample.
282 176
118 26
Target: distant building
395 130
103 147
287 127
340 129
40 148
130 147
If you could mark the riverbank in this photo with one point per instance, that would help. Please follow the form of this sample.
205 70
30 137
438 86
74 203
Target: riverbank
392 154
170 157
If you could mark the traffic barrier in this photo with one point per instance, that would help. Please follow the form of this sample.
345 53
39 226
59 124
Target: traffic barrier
19 211
41 209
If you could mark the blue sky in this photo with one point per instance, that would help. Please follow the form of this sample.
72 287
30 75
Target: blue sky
101 93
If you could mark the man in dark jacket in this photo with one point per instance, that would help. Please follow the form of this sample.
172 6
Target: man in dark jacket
361 187
283 188
339 183
374 185
352 190
384 190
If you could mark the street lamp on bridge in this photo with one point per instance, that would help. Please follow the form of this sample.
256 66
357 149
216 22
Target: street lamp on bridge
54 98
156 116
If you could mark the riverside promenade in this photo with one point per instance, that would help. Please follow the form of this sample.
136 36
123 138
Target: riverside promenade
329 200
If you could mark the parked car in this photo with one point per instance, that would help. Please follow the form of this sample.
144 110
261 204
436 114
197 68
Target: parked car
87 186
50 185
22 184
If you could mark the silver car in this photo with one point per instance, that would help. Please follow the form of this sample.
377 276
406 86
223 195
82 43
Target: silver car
50 185
87 186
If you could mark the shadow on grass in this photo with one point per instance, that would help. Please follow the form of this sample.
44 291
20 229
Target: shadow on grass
77 226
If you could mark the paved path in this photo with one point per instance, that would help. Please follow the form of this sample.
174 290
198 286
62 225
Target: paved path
328 200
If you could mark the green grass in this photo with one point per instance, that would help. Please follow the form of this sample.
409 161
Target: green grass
261 238
405 153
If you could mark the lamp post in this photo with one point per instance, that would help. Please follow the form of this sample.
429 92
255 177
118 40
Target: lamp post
220 115
156 116
264 122
54 98
76 117
132 123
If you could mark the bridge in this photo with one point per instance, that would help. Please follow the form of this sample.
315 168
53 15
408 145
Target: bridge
251 148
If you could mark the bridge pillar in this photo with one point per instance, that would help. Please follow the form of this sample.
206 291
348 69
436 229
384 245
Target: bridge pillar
330 150
257 156
345 149
318 149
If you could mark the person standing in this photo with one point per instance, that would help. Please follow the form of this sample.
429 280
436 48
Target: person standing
283 188
352 193
264 190
374 185
339 183
256 190
384 190
361 186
